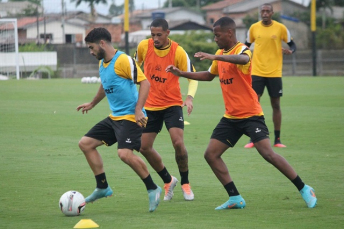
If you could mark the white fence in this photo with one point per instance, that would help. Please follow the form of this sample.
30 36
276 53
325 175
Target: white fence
28 61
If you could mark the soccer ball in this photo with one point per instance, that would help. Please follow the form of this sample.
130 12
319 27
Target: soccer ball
72 203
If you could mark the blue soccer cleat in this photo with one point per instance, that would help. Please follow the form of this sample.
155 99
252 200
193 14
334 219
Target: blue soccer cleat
99 193
308 195
234 202
154 198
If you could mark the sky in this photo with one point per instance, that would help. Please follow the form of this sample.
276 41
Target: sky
54 6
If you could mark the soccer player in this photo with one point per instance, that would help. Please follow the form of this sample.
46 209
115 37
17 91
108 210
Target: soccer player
267 62
244 115
164 103
119 75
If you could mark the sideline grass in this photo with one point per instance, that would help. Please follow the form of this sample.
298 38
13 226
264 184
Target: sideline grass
40 160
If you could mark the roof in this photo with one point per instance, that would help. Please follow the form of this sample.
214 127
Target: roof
148 14
220 5
186 25
21 22
247 5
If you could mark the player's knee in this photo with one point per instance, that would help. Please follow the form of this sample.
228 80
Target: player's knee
123 156
83 145
178 144
208 156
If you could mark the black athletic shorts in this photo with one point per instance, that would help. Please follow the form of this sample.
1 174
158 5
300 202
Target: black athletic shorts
172 116
273 84
126 133
229 131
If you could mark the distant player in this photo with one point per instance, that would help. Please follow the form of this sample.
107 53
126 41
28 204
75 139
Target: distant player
267 62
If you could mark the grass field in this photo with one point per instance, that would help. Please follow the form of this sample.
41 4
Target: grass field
40 160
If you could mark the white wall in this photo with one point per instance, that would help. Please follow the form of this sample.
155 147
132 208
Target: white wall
55 29
28 61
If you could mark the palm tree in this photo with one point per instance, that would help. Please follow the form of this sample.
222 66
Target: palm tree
91 4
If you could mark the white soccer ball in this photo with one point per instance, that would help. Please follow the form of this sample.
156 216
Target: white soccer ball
72 203
94 79
83 80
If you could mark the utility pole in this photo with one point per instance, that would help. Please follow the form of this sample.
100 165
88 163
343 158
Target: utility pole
126 25
63 22
313 29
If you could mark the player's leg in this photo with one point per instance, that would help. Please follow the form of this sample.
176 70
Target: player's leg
129 138
262 144
99 134
174 122
274 88
258 85
223 137
154 125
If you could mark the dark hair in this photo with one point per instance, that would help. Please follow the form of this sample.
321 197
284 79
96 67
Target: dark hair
160 22
97 34
225 22
268 4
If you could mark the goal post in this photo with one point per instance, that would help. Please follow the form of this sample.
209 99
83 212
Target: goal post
9 54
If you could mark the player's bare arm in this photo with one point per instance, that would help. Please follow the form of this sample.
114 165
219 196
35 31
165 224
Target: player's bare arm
203 56
235 59
88 106
188 103
200 76
140 118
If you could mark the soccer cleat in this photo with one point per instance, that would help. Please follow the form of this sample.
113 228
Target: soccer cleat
234 202
99 193
187 192
279 144
169 188
249 145
308 195
154 198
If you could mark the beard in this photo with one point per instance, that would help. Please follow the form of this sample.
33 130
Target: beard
101 54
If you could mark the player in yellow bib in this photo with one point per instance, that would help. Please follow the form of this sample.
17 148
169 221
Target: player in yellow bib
267 62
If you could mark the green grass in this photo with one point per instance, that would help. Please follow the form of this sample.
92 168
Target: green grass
40 160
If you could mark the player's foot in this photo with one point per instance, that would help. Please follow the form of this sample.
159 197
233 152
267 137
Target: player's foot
99 193
154 198
279 144
169 188
308 195
249 144
187 192
234 202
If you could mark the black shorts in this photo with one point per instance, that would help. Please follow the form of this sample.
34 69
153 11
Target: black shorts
172 116
273 84
229 131
126 133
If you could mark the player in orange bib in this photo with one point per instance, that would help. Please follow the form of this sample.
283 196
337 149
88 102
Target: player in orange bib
164 103
243 115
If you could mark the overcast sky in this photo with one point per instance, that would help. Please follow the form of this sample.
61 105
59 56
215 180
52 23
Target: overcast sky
55 5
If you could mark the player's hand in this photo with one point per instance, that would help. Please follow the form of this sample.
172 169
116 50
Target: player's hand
173 69
203 55
287 51
189 104
85 107
140 118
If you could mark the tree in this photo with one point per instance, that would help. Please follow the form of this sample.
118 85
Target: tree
115 10
91 4
193 42
31 10
37 2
